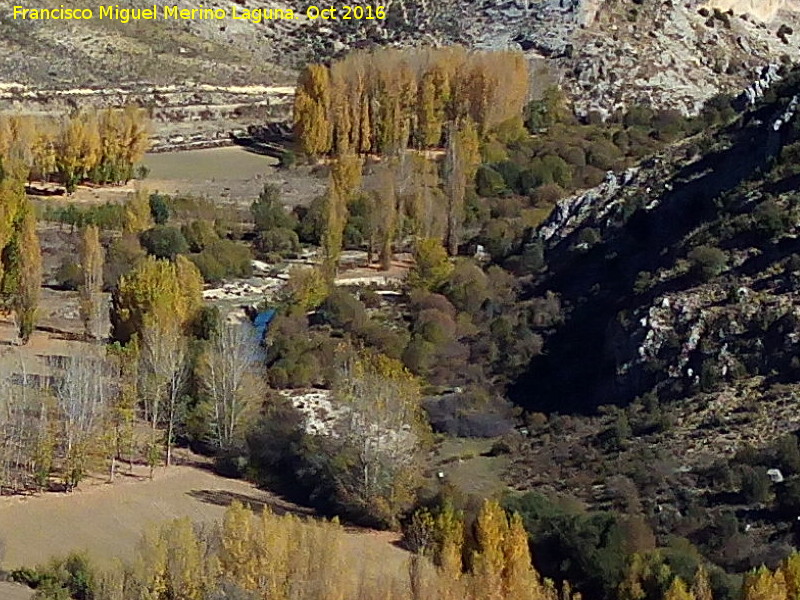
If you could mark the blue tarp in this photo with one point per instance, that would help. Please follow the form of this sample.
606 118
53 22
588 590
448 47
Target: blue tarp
262 321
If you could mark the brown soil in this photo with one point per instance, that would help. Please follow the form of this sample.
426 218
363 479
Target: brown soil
14 591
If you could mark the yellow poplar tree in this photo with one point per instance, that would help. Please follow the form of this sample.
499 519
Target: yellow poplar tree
386 214
345 179
137 216
236 554
461 162
488 562
701 586
678 591
26 297
172 291
150 566
450 542
791 574
520 579
184 563
431 265
78 149
312 106
763 584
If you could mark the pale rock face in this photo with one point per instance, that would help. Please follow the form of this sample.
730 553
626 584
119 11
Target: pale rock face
765 10
588 11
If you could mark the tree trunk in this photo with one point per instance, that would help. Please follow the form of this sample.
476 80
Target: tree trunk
169 444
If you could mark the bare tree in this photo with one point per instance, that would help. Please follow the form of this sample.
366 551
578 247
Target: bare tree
461 158
231 379
83 394
165 371
382 431
24 422
11 427
91 289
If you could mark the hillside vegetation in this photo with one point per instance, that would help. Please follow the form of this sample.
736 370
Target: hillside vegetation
610 303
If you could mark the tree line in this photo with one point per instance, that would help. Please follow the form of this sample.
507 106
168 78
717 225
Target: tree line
251 556
172 361
98 146
270 556
385 101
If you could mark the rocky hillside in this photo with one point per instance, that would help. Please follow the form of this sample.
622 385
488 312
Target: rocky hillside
607 52
627 251
680 277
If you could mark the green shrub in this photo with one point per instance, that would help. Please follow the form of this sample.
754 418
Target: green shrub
123 256
707 262
431 265
164 242
223 259
69 275
551 169
548 194
603 155
159 208
371 298
589 236
385 340
311 221
574 155
644 282
268 212
206 322
770 219
510 172
756 486
343 310
280 241
787 454
287 160
489 183
105 216
467 287
588 549
639 115
669 124
199 234
588 176
68 578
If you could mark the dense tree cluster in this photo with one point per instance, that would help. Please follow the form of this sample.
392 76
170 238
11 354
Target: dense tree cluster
385 101
97 146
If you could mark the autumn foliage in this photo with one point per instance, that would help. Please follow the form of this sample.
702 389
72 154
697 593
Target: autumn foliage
97 146
388 100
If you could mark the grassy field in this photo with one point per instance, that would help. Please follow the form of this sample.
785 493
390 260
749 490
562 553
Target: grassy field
227 174
106 521
461 462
